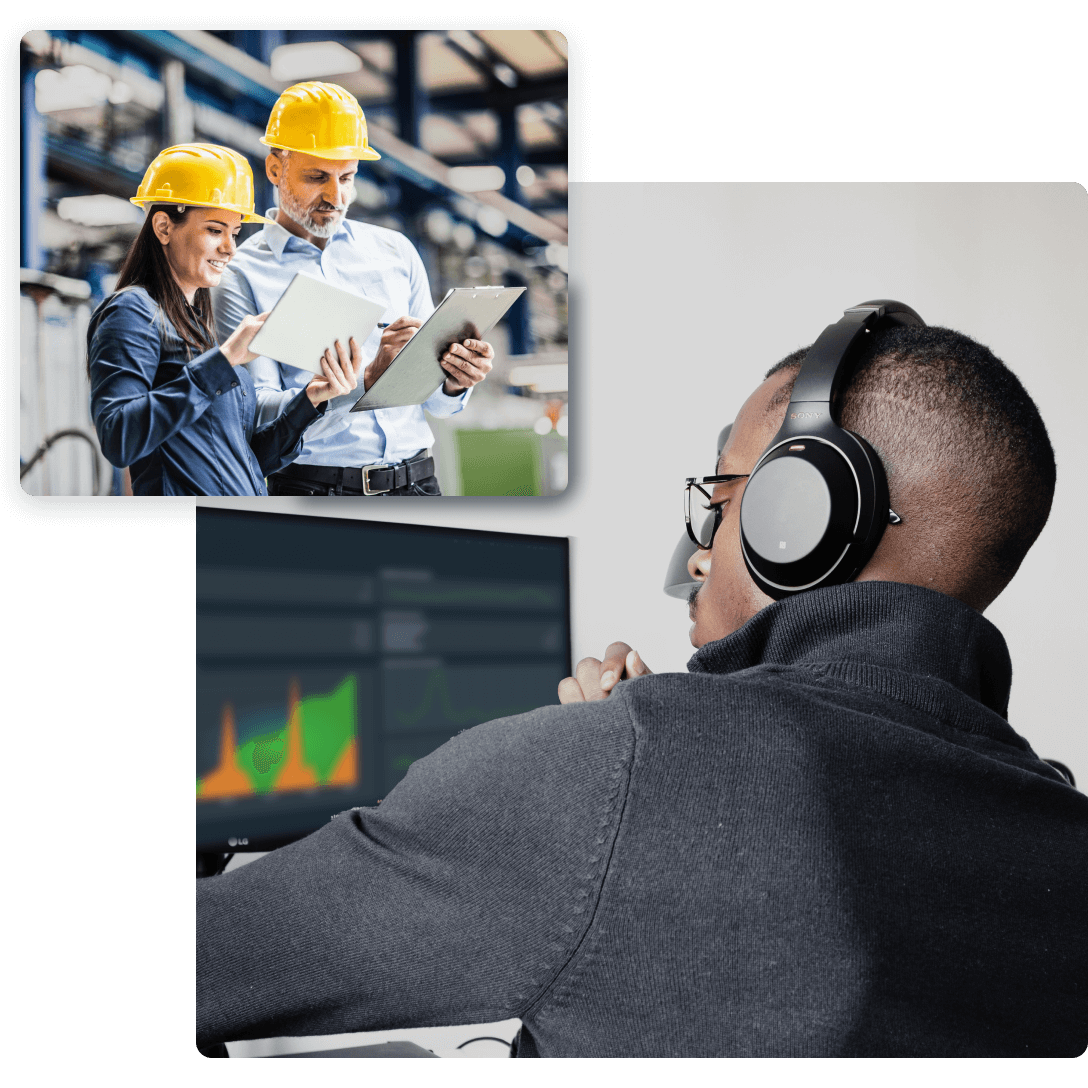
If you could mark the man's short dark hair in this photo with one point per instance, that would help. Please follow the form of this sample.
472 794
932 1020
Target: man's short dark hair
948 417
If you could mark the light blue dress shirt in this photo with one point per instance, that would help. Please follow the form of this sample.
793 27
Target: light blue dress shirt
373 261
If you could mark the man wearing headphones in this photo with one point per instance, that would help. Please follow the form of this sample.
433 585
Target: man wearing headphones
317 135
824 839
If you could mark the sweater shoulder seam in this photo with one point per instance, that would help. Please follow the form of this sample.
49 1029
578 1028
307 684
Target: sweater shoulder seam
617 805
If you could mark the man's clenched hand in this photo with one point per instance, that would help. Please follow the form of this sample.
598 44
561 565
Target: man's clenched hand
467 364
595 679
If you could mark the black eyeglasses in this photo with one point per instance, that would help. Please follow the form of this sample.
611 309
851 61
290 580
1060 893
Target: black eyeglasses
702 518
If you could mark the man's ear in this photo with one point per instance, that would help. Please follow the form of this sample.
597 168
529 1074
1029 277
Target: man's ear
273 167
161 225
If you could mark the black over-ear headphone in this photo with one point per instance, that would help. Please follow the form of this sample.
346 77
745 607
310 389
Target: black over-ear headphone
816 503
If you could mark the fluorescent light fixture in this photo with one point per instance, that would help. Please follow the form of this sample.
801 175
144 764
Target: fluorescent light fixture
98 210
477 179
540 378
492 220
464 237
120 93
38 40
312 60
526 175
368 195
439 226
74 87
555 254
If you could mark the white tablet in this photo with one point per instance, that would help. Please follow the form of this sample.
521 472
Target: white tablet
465 313
309 317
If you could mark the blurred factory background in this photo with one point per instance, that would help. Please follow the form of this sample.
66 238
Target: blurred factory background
472 129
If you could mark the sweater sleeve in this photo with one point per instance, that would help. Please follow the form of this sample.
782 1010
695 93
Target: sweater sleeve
458 900
132 416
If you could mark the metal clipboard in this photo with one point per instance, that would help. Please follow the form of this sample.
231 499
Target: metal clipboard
465 313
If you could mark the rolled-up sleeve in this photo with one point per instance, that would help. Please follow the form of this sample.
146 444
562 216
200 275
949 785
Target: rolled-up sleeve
132 416
439 405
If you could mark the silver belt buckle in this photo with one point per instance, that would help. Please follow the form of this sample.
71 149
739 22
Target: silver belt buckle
366 481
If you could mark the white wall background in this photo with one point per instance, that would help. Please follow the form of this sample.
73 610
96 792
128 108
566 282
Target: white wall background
684 294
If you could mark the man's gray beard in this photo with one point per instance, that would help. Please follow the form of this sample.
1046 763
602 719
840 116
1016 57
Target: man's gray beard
295 211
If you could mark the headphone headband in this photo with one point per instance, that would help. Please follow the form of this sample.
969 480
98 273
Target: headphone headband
825 369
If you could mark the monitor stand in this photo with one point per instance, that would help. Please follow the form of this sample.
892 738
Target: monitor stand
211 863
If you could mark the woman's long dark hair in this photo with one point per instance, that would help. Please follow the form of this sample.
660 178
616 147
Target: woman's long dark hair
146 266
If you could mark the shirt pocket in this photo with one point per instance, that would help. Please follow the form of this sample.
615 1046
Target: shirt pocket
386 282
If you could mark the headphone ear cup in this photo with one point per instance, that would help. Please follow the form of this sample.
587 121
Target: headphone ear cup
797 516
808 513
875 501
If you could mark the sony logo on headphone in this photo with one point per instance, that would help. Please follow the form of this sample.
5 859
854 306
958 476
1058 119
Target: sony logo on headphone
805 415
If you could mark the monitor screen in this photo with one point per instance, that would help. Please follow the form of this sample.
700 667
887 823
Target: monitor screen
331 653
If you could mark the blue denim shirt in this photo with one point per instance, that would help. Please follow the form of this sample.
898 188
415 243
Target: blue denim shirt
372 261
183 427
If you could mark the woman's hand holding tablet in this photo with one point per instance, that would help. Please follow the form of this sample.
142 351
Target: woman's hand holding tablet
340 368
236 346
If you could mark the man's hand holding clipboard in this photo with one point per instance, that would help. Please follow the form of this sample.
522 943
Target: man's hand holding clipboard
447 350
466 363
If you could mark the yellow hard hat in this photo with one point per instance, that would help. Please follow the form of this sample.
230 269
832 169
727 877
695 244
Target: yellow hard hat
319 119
203 175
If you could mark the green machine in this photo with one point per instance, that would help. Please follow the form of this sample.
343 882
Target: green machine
502 462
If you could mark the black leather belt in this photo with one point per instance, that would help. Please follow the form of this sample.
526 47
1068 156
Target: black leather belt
369 480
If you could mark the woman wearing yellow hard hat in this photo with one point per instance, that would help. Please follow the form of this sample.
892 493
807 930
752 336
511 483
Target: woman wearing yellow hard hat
169 403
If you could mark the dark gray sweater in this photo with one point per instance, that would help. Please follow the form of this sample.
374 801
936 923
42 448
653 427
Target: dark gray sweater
824 840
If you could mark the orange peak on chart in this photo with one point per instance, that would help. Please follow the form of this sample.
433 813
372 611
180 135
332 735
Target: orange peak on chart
315 746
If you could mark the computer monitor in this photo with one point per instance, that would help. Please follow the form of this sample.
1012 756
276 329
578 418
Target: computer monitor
332 653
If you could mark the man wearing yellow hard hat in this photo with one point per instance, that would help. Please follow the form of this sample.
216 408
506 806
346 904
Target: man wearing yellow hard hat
317 133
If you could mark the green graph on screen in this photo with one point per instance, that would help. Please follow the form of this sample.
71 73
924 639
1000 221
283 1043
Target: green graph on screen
311 744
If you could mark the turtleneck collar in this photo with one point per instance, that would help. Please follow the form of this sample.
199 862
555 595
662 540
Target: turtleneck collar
864 626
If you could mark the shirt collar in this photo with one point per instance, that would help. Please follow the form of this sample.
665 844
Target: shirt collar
277 237
873 625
